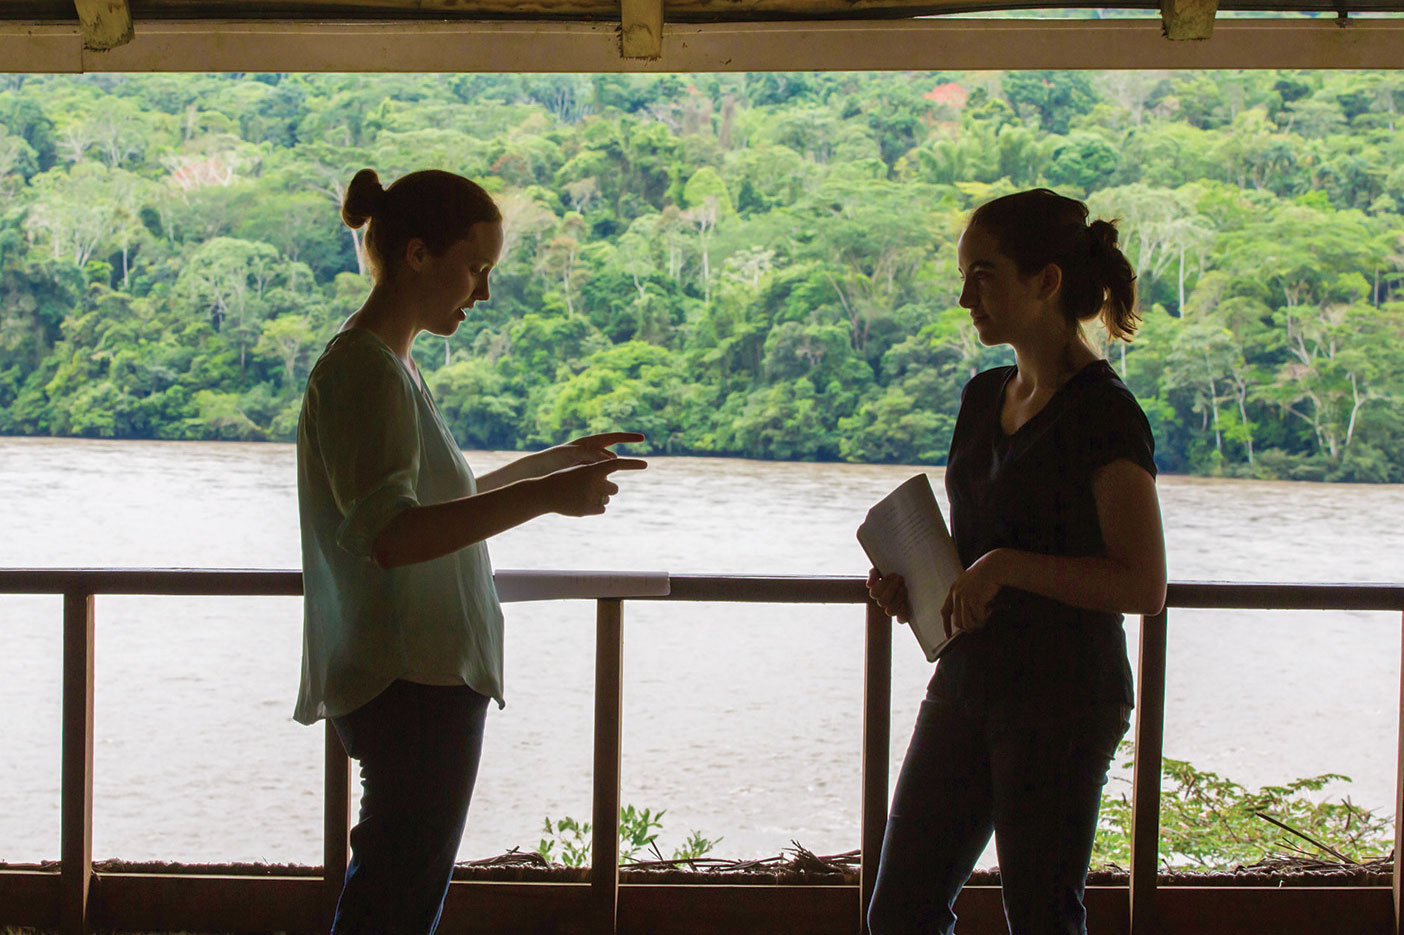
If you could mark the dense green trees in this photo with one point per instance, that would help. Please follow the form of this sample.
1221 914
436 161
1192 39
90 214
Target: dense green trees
749 264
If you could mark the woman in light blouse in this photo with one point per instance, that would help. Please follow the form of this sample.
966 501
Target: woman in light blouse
402 636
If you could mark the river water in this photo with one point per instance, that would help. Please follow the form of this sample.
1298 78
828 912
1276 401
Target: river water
742 721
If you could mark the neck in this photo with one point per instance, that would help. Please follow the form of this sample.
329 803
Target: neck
391 316
1047 362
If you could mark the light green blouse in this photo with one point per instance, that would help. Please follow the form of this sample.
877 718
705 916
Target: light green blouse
370 443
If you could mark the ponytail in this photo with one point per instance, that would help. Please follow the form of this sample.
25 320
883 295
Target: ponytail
1115 279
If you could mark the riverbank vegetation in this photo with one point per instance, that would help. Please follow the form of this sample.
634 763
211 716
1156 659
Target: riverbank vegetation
758 265
1208 822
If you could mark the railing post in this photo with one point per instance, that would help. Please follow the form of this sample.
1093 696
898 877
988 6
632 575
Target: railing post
336 821
609 698
1145 780
877 743
76 845
1399 801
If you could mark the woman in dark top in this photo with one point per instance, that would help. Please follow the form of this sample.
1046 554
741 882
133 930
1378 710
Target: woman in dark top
1051 483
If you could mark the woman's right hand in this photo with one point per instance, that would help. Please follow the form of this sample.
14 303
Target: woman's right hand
585 490
889 592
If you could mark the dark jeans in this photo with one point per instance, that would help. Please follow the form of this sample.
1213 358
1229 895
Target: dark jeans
419 747
1032 775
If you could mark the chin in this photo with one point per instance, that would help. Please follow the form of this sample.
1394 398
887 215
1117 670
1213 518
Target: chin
987 336
444 331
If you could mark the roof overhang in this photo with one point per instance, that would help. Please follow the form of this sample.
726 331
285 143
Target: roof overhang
696 36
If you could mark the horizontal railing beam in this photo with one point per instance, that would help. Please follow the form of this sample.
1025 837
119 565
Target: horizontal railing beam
775 589
234 582
1234 595
768 590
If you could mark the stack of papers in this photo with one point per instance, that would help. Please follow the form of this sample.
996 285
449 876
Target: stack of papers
906 534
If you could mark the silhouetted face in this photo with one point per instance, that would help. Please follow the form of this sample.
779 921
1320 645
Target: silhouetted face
1003 304
458 279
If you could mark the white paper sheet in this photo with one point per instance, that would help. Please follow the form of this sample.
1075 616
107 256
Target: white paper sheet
905 534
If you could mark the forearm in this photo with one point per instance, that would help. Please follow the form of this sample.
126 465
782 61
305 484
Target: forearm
422 533
1093 583
524 468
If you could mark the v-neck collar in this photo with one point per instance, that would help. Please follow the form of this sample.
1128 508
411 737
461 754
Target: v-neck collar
1077 377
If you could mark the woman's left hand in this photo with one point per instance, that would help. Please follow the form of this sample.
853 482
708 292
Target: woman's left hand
588 449
967 606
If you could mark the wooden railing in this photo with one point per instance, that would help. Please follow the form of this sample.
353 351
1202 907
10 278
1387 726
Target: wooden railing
76 900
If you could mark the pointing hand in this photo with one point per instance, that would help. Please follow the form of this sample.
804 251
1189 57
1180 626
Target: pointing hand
585 490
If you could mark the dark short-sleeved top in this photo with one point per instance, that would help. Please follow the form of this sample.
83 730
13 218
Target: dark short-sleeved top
1032 491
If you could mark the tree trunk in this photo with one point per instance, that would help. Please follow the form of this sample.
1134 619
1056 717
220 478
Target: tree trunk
706 274
1214 407
565 286
1356 403
1241 391
1182 282
359 248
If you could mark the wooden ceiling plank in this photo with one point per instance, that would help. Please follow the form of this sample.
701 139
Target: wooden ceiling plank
106 24
28 48
967 44
608 11
1188 19
641 29
692 10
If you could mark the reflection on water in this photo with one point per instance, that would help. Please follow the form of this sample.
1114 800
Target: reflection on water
741 720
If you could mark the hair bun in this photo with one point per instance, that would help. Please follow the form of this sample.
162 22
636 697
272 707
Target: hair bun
364 198
1104 235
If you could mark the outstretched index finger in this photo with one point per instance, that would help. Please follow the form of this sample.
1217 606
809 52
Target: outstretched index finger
605 439
622 464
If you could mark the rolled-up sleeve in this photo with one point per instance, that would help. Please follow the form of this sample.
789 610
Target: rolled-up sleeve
367 431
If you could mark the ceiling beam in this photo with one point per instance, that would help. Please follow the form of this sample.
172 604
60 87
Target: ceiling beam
641 29
106 24
887 45
678 10
1188 19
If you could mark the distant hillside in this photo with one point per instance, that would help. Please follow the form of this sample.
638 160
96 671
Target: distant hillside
751 264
